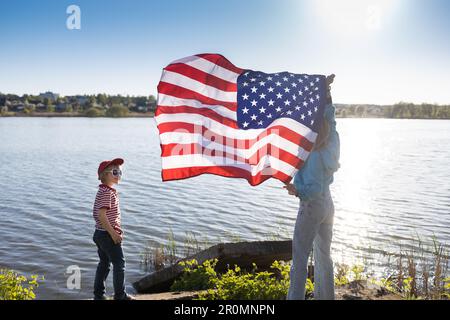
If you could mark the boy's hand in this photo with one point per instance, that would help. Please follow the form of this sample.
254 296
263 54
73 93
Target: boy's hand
117 238
291 189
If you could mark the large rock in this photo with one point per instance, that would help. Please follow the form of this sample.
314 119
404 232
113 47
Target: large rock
243 254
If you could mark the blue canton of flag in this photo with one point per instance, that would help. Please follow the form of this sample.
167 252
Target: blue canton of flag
263 98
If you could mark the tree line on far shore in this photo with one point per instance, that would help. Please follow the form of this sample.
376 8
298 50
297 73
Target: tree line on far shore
401 110
81 105
101 105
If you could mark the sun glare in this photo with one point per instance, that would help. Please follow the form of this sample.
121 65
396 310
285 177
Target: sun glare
354 17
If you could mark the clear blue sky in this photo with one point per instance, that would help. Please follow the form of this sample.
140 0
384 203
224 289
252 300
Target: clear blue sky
382 51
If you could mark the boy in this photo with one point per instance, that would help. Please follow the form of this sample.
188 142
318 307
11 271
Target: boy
108 234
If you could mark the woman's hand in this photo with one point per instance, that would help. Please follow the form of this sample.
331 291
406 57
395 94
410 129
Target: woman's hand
291 189
329 80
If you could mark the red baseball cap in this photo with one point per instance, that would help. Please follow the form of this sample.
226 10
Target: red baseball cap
102 166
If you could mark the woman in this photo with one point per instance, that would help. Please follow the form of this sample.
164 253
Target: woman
314 225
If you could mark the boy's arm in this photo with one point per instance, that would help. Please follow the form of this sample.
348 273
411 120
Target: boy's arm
107 226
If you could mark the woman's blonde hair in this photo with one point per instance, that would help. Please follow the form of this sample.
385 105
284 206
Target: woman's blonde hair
322 137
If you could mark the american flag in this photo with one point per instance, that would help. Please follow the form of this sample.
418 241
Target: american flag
214 117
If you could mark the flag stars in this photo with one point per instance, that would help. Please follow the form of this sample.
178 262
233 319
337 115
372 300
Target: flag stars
270 89
271 102
262 110
260 123
252 79
303 116
262 83
245 110
253 102
245 124
294 85
254 116
269 116
309 113
262 96
269 78
277 109
245 84
287 90
245 96
279 95
287 103
278 83
254 89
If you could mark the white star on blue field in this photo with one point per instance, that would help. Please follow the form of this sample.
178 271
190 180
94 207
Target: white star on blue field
263 98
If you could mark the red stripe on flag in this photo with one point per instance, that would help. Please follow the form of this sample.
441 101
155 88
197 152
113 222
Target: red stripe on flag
176 149
220 61
183 93
233 142
225 171
206 112
202 77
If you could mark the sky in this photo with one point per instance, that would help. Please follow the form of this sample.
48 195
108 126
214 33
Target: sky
382 51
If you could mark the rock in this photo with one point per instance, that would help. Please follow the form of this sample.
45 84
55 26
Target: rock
243 254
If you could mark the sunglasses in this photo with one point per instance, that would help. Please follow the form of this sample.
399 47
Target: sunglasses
116 172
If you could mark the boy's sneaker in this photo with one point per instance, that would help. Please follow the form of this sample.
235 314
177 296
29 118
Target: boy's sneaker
127 297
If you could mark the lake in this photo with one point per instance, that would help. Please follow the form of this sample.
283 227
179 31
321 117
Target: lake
393 185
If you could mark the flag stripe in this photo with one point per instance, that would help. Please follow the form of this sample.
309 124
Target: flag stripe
203 77
196 160
183 93
197 148
165 100
206 112
221 61
210 67
197 86
294 127
240 147
225 171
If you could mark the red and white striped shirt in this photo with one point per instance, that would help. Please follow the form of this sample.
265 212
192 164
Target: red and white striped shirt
108 198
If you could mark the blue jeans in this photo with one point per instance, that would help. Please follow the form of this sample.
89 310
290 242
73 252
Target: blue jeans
313 228
109 252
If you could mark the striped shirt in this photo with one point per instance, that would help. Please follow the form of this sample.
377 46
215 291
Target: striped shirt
108 198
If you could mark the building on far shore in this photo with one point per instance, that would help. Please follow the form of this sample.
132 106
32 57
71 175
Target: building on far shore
49 95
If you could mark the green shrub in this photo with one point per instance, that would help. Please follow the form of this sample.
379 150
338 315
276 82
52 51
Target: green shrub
117 111
93 112
17 287
196 277
236 284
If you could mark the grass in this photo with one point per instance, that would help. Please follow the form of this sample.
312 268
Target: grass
420 271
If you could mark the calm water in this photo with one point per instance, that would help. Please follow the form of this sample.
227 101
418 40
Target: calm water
394 183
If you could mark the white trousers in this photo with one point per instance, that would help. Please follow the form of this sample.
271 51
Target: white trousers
313 228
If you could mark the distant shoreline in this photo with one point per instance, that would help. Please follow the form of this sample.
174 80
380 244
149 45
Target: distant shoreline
72 115
152 115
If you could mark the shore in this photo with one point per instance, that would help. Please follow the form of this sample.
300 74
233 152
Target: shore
74 115
152 114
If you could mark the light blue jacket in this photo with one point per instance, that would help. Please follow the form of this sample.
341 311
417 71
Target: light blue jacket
316 175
